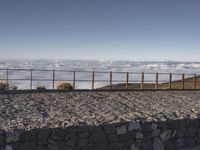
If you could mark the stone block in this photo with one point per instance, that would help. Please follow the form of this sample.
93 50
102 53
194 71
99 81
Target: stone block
27 146
113 138
13 137
166 135
2 140
72 141
155 133
147 143
110 129
171 145
41 148
157 144
43 134
180 142
190 132
8 147
139 137
98 135
190 142
82 142
133 147
121 130
172 124
28 136
134 126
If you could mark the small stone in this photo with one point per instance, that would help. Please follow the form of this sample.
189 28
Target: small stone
190 132
134 126
13 137
121 130
166 135
158 145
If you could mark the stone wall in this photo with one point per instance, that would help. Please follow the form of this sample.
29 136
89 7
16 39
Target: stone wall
137 135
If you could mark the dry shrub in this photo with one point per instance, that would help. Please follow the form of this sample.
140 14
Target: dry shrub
4 85
40 86
65 86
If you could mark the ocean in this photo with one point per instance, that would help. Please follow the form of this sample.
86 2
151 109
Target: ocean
102 67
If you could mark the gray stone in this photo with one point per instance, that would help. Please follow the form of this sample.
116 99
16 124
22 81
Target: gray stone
72 141
172 124
133 147
190 132
43 134
147 143
28 136
154 126
125 137
139 137
57 134
27 146
41 148
82 142
101 145
52 142
98 135
113 138
134 126
8 147
121 130
166 135
2 140
180 132
190 142
155 133
84 134
109 129
171 145
158 145
180 142
13 137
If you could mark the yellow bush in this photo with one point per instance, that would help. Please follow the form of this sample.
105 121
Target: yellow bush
4 85
65 86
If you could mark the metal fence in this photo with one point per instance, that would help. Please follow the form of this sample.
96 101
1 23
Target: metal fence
108 80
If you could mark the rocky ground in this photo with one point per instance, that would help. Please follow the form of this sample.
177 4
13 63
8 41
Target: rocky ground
62 109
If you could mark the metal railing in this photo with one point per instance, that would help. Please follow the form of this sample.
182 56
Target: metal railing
128 81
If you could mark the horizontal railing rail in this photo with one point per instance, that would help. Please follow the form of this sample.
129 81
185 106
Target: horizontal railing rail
125 80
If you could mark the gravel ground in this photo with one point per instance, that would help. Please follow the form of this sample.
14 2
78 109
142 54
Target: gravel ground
36 110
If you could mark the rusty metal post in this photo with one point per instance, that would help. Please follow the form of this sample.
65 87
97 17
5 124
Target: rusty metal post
156 85
127 78
142 81
31 82
111 80
183 81
53 79
170 81
92 80
195 81
74 79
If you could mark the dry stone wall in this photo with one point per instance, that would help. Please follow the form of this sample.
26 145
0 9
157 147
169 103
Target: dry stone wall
137 135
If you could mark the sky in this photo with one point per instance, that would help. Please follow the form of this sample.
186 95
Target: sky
100 29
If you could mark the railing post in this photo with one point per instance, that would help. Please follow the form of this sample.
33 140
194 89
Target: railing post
31 79
127 78
195 81
7 76
110 79
53 78
156 85
142 81
183 81
92 80
74 79
170 81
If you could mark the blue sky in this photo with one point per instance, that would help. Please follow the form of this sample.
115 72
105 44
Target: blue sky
100 29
